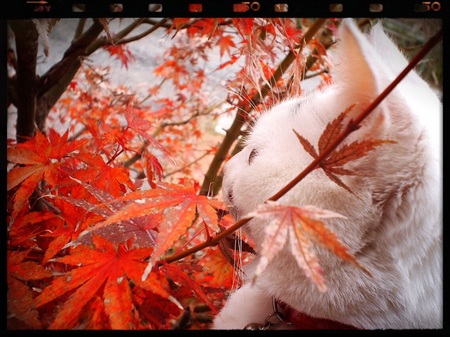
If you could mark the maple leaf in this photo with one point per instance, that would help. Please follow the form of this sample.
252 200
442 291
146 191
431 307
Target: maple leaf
141 126
231 61
121 52
20 296
225 43
244 26
333 164
179 276
179 23
203 27
179 204
301 227
154 168
26 226
107 268
141 228
216 265
114 180
39 158
95 315
66 227
157 312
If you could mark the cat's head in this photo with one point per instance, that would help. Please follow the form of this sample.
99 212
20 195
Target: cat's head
363 67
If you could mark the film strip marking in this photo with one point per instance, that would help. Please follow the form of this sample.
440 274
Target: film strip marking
128 8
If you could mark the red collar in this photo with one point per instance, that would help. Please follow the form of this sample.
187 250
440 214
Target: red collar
302 321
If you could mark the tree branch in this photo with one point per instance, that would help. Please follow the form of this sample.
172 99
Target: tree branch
25 85
71 58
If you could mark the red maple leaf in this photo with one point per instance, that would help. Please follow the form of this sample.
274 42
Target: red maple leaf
244 26
66 227
20 296
178 275
39 158
121 52
225 43
104 269
27 226
154 168
141 127
113 180
179 23
217 271
140 228
179 204
334 163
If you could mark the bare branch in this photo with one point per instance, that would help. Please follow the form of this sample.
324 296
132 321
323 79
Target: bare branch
71 58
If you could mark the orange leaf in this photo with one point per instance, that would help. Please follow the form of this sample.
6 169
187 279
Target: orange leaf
68 313
118 303
56 245
301 227
217 265
141 126
333 163
337 180
103 268
225 43
154 168
175 224
28 271
141 228
353 151
180 22
333 129
20 155
20 304
121 52
178 275
42 159
19 174
179 204
306 145
112 180
244 26
20 296
96 315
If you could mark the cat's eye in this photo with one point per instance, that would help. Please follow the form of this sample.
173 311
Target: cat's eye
252 155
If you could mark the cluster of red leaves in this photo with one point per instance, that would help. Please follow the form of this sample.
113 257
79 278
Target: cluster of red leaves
86 232
59 280
121 52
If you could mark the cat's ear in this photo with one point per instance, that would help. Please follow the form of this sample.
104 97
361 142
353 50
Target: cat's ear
359 66
388 50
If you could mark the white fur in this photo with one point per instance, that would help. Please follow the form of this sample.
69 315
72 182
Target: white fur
394 227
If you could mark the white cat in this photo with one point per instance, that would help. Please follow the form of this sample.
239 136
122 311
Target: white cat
393 227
